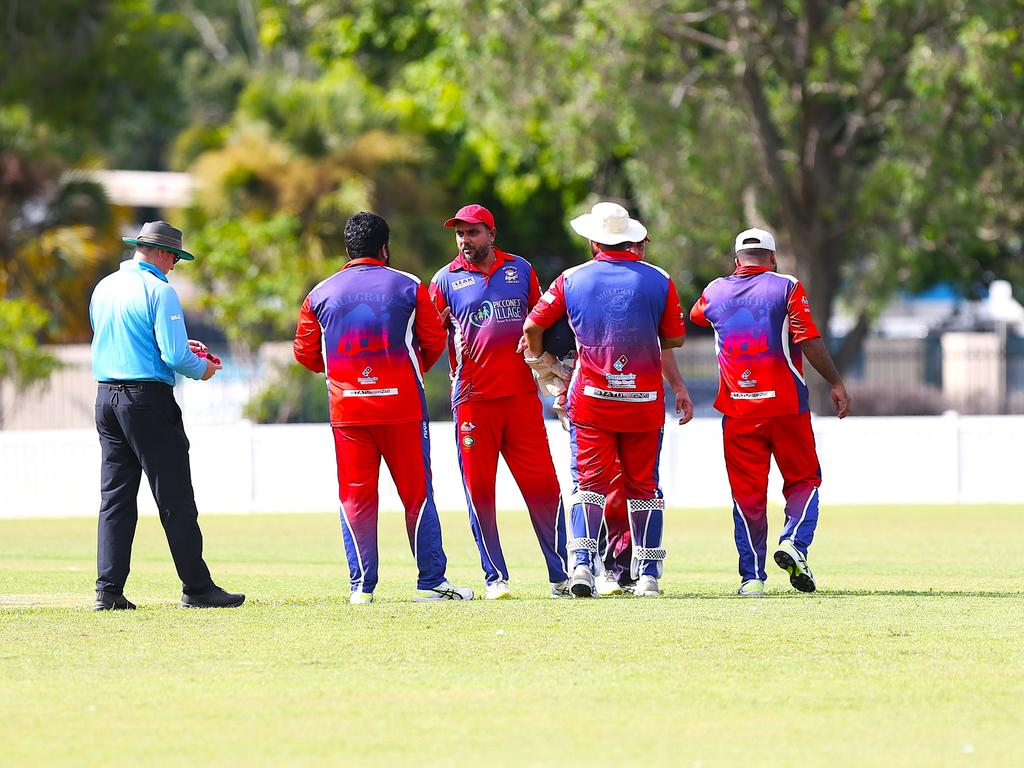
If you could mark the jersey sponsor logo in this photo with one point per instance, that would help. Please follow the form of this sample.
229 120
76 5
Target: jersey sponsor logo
548 297
767 394
464 282
501 311
175 317
467 426
469 441
366 379
621 380
369 392
746 381
482 316
630 397
619 364
511 275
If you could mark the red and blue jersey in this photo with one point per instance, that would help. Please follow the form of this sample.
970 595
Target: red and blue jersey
759 317
618 306
375 331
488 312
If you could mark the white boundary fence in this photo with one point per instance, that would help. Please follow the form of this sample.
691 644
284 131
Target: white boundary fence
290 468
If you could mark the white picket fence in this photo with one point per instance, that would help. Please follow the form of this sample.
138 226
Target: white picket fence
266 468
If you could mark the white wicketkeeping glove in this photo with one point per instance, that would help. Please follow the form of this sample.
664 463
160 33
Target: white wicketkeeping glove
552 377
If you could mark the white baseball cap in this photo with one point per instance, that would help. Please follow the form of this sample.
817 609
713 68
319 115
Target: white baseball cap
609 224
754 238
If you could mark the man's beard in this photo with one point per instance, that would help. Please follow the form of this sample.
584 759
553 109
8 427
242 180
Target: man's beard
475 254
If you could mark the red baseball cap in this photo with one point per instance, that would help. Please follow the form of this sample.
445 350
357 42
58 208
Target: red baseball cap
472 214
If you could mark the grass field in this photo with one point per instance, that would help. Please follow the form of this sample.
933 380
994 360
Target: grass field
911 653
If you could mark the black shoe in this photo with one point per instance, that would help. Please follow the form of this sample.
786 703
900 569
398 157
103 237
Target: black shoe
215 598
106 601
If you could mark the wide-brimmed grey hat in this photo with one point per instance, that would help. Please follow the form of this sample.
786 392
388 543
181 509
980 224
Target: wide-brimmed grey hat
160 234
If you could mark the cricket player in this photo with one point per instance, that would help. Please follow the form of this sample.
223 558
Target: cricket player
623 311
374 330
616 546
763 330
486 293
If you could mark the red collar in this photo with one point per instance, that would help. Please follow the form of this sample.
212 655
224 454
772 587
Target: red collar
367 261
750 270
616 256
500 257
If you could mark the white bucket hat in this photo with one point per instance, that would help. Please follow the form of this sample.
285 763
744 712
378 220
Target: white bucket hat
609 224
754 238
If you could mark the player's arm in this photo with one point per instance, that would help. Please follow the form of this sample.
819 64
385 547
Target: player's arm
440 302
697 315
429 326
817 355
805 333
172 338
307 344
670 370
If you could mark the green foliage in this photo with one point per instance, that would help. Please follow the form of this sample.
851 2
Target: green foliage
254 275
292 396
22 362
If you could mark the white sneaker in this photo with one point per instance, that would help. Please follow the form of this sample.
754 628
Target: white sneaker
582 584
646 586
751 588
789 559
561 589
497 590
360 598
443 591
607 585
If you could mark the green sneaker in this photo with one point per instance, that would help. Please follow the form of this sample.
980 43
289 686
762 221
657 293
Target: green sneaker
789 559
751 588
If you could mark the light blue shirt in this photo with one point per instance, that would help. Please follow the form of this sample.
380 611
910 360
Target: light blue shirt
139 328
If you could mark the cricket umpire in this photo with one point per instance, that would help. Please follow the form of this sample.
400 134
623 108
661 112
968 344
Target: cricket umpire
139 343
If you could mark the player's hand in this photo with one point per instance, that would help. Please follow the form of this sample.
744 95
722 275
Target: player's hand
198 347
841 401
521 346
212 366
446 317
684 404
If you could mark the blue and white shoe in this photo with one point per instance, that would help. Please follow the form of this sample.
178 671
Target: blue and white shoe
646 586
793 562
561 589
443 591
582 584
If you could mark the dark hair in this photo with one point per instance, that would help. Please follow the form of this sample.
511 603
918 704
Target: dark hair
756 253
365 234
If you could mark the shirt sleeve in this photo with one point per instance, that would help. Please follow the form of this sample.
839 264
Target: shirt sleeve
307 346
697 313
672 324
534 296
798 307
551 305
171 336
431 336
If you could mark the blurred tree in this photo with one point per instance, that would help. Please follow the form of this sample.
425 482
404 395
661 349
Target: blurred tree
871 136
22 363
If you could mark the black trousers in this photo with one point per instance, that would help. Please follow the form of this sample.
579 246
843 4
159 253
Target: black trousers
140 429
